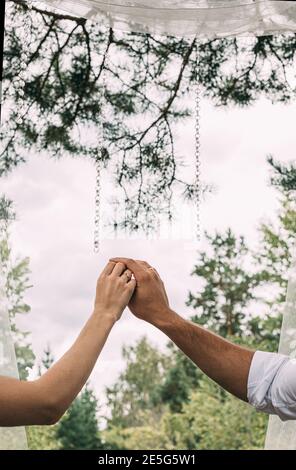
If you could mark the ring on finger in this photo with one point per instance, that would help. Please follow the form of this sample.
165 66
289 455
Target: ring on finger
128 275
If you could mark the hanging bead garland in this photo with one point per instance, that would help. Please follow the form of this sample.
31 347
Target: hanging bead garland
99 160
197 189
197 162
98 163
97 208
2 34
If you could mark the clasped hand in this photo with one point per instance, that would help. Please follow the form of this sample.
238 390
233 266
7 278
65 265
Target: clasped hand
134 283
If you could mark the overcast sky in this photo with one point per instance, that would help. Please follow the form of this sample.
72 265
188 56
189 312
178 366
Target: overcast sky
54 203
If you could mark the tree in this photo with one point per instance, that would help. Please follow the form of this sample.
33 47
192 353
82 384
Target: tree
278 239
15 273
180 379
77 72
228 285
47 360
136 389
78 429
145 437
284 176
211 421
275 253
192 411
7 213
225 301
43 437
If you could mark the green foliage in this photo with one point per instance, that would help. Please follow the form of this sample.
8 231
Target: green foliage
264 332
180 379
65 97
284 176
210 419
145 437
6 211
46 361
135 391
275 252
42 438
276 249
228 286
215 420
78 429
48 358
186 409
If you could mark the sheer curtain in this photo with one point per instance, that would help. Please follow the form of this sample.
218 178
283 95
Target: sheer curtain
282 435
10 438
188 17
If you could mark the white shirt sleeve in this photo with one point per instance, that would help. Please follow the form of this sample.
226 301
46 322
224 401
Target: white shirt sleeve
272 384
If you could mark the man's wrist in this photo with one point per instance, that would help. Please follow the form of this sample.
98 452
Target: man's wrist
165 318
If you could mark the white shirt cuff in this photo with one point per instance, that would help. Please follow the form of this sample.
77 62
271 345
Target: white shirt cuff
272 384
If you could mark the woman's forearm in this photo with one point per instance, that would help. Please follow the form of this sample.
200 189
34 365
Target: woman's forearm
46 399
224 362
64 380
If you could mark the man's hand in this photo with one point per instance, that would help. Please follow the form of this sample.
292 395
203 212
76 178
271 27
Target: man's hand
149 301
115 287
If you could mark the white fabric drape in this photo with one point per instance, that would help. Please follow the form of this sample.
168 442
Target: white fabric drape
10 438
282 435
188 17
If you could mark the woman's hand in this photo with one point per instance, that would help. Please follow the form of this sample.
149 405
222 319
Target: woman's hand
150 300
115 288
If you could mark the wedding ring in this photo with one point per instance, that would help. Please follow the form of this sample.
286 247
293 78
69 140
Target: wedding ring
128 275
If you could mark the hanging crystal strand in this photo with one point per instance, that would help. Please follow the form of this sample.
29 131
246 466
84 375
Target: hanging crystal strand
115 227
97 208
158 227
197 156
98 163
125 218
2 39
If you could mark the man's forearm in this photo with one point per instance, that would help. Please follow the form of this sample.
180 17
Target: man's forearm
224 362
